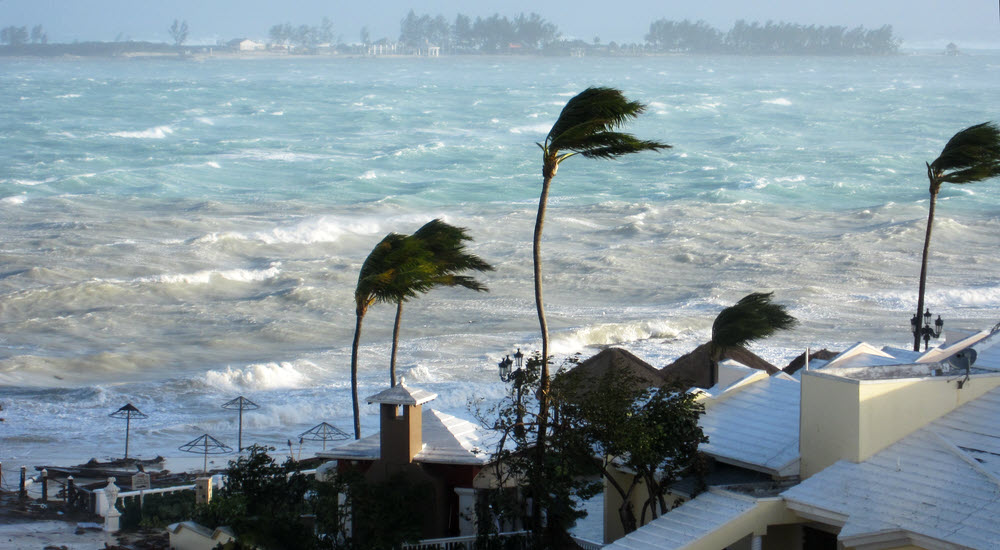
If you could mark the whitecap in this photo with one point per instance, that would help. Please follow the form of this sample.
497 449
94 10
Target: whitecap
159 132
14 199
261 376
67 96
778 101
369 175
212 164
610 334
533 129
208 275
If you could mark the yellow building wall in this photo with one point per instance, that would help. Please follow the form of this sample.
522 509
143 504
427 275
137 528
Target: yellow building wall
849 419
828 422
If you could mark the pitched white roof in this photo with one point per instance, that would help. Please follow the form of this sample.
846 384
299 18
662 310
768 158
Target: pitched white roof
756 425
447 439
401 394
688 523
941 482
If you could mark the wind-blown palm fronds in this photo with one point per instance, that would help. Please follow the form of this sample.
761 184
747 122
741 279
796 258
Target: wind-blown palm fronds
396 269
752 318
443 245
971 155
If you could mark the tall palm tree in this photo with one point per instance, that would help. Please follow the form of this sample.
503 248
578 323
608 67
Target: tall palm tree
396 269
588 126
971 155
445 246
752 318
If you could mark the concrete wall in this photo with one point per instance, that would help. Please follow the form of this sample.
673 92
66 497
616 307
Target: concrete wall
850 419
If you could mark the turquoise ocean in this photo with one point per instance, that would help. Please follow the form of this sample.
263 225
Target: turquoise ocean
175 233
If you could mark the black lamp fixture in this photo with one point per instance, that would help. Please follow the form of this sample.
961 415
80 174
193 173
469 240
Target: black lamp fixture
507 365
925 330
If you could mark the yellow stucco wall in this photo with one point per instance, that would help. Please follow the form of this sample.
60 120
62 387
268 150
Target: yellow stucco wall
850 419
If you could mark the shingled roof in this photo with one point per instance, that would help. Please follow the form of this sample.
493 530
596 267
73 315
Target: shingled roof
619 360
695 368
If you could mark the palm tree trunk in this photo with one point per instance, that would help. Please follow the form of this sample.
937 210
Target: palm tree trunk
923 270
395 344
536 257
543 388
354 375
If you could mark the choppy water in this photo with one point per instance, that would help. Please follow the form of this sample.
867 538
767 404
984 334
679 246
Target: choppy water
175 234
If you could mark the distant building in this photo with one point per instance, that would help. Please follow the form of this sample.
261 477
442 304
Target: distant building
245 45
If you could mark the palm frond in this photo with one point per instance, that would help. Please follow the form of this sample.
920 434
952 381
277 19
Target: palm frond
752 318
974 152
589 120
607 105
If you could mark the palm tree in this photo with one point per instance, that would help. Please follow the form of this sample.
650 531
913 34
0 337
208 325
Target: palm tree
445 245
971 155
752 318
586 126
396 269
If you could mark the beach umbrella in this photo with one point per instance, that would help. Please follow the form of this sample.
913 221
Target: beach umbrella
128 412
324 432
243 404
206 445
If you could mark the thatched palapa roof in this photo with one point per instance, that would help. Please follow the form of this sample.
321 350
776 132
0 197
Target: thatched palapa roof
695 368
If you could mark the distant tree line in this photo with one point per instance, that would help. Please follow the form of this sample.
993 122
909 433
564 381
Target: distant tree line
16 36
492 34
770 38
303 36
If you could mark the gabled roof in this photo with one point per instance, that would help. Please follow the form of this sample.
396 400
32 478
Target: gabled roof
755 425
401 394
688 523
695 367
618 360
940 483
447 439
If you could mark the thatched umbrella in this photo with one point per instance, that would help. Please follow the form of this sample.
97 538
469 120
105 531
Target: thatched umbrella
128 412
206 445
324 432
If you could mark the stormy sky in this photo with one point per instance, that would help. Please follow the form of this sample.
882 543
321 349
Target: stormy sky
920 23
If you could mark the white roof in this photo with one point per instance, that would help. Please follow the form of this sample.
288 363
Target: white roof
401 394
447 439
941 482
688 523
755 425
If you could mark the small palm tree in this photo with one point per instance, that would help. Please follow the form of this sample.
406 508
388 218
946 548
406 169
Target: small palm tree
971 155
445 248
396 269
586 126
752 318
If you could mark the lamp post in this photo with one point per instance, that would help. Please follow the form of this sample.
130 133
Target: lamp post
507 374
925 330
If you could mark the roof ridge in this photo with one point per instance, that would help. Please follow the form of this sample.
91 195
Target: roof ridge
957 451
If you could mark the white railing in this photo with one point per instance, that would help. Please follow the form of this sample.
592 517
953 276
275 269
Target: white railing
455 543
468 542
587 544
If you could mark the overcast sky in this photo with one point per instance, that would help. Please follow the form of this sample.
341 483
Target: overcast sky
929 23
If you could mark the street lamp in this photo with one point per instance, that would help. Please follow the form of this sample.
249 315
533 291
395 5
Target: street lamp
925 330
518 358
505 370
